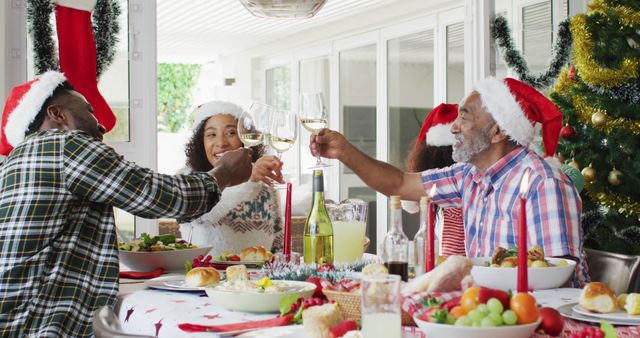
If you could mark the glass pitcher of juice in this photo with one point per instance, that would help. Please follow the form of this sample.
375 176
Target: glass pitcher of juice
349 219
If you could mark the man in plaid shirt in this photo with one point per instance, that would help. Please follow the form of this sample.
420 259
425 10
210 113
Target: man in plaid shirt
494 131
58 187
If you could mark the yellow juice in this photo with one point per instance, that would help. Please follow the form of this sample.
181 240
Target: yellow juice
348 240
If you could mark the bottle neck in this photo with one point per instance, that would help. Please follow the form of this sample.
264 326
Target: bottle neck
423 216
396 219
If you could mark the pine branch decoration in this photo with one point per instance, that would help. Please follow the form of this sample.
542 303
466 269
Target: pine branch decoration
105 30
39 25
561 52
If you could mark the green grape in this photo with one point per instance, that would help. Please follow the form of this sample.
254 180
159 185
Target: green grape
464 321
495 306
495 318
487 322
482 308
509 317
476 323
475 315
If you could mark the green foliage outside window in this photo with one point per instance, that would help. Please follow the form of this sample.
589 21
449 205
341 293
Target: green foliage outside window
175 83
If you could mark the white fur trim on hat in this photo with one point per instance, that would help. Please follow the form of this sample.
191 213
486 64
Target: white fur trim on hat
502 105
440 135
212 108
30 103
83 5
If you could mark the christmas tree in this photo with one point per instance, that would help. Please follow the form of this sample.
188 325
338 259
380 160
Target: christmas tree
600 100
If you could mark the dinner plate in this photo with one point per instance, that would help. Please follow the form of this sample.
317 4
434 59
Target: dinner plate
567 311
291 331
173 282
618 315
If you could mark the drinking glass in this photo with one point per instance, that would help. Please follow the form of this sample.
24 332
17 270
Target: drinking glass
381 316
253 123
284 130
349 220
314 118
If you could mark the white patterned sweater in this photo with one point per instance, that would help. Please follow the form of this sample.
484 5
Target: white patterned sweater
247 215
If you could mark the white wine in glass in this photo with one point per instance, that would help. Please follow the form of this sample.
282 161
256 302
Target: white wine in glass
254 123
313 118
280 144
284 131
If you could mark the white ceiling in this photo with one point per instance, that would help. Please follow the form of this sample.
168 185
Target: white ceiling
202 30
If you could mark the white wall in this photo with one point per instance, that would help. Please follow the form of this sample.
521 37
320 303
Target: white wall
3 52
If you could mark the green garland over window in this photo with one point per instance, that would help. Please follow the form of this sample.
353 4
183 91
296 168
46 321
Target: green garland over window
105 31
561 52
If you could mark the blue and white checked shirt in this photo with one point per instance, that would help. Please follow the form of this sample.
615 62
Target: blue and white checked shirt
491 207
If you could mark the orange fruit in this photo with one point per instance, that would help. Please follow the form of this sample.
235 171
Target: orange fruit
457 311
525 306
469 299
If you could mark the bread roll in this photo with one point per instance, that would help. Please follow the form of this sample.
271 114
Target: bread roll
202 277
632 304
598 297
237 272
254 254
318 320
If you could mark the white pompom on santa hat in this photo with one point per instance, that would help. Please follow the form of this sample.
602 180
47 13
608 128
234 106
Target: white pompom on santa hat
23 105
517 107
211 108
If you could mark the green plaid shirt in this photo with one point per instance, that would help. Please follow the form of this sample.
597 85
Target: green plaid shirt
58 249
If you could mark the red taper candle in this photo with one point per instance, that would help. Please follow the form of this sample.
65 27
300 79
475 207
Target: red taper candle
430 236
287 223
523 279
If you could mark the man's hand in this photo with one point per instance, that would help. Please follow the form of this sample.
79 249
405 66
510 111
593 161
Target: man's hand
329 144
233 168
267 169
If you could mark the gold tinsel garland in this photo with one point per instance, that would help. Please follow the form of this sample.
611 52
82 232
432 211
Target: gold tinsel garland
622 205
628 16
590 70
584 113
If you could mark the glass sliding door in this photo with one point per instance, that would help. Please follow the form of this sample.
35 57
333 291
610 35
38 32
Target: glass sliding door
455 62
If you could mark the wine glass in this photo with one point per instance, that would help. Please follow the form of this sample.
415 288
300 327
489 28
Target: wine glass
284 130
313 117
253 123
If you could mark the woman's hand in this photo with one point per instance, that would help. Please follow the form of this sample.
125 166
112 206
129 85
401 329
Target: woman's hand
267 169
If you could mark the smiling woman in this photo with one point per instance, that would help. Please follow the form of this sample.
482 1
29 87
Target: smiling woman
248 214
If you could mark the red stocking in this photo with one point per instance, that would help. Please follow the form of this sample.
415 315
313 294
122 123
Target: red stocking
78 54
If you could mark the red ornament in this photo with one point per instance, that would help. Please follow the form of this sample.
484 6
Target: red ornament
567 132
572 73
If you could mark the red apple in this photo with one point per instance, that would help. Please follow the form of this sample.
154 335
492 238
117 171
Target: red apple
486 293
342 328
552 322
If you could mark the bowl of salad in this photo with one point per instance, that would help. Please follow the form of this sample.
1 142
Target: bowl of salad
148 253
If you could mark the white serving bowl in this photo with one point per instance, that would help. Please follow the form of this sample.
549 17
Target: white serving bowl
433 330
507 278
252 301
170 261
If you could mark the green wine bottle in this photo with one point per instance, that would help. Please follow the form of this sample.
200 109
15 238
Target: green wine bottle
318 231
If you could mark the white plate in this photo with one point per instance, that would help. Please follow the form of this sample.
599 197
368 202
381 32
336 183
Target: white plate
170 261
433 330
174 282
257 302
567 311
291 331
507 278
617 316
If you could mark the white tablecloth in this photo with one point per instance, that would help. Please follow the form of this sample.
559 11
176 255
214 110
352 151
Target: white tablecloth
158 313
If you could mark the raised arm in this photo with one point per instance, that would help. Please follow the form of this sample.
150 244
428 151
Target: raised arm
378 175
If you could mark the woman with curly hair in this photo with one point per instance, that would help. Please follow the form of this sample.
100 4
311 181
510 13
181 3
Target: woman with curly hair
248 214
432 150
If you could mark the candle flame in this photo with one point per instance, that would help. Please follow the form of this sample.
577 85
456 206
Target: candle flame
432 191
524 184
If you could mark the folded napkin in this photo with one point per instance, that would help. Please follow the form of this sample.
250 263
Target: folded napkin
142 275
258 324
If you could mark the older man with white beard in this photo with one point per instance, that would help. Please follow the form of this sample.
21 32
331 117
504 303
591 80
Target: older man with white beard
494 131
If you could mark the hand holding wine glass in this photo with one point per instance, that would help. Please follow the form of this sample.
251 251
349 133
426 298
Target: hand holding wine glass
313 117
254 123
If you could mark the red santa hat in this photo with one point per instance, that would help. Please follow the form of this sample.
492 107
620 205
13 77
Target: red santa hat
517 107
23 105
436 129
211 108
